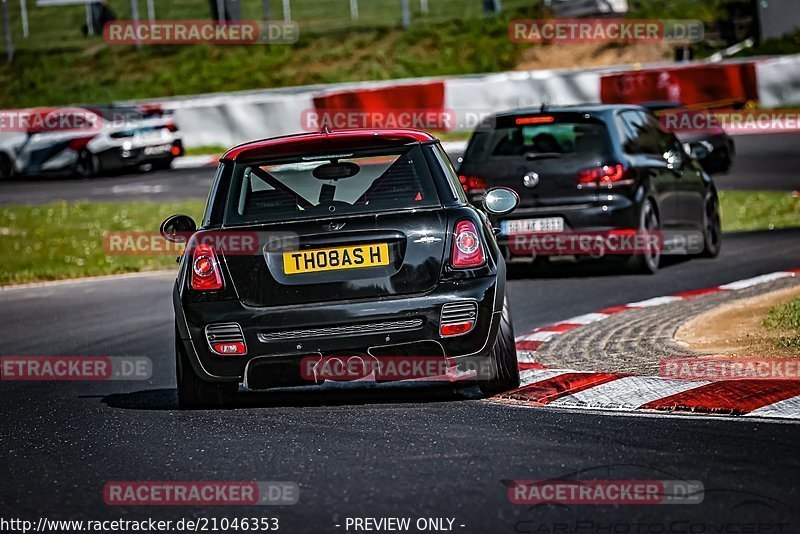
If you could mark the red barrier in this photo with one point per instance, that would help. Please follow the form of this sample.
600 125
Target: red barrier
427 96
700 84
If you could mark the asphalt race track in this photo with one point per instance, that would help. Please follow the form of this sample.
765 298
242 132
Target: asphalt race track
394 451
765 161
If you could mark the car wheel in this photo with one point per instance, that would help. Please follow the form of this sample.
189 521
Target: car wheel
502 373
193 392
727 158
87 164
649 261
162 165
712 226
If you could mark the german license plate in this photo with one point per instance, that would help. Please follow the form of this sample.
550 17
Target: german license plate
336 258
521 226
158 149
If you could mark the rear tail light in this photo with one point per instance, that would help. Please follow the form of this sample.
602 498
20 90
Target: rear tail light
175 150
606 176
206 275
171 126
152 110
226 339
467 248
473 184
457 318
234 348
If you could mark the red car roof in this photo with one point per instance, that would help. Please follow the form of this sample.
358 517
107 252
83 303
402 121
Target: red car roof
326 141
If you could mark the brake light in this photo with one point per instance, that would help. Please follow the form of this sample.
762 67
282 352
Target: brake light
541 119
456 329
206 275
467 249
236 347
605 176
171 126
175 150
472 184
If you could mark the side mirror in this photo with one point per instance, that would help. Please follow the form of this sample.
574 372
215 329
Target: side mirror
500 201
176 228
700 150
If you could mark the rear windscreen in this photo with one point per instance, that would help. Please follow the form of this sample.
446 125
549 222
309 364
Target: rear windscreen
555 139
330 185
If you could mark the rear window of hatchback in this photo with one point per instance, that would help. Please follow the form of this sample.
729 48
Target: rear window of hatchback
330 185
540 136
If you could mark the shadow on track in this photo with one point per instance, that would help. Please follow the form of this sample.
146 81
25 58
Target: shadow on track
333 395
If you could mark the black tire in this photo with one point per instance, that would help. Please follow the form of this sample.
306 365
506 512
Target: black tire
6 168
162 165
502 372
648 262
87 165
727 158
712 226
195 393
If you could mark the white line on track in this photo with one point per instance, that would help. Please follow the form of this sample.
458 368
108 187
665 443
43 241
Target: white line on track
750 282
657 301
587 318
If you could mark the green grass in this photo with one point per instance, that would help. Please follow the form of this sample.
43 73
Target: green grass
61 27
65 240
213 150
756 210
705 10
786 317
57 65
62 240
88 70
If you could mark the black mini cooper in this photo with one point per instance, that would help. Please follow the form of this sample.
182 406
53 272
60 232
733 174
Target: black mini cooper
347 246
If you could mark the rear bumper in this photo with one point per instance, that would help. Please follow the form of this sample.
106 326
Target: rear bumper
488 292
615 211
117 157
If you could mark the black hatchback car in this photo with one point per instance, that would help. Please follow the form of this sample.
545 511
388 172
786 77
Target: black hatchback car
348 246
600 168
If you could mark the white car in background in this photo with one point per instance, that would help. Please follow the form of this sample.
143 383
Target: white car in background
87 141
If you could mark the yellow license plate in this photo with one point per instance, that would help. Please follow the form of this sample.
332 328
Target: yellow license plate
333 259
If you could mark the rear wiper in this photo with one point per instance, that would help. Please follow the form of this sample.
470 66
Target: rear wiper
542 155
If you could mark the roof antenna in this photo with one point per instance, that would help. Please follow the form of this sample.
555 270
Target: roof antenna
543 107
